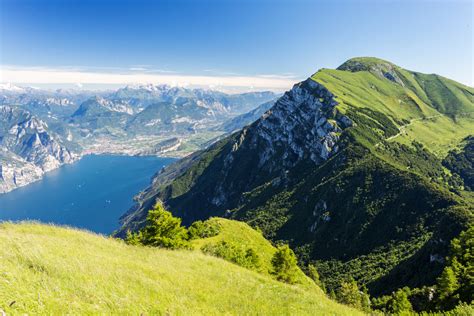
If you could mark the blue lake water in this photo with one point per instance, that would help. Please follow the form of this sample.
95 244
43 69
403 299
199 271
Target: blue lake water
91 193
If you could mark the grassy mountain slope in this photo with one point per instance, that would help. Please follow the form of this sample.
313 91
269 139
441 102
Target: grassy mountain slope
53 270
430 109
239 233
377 203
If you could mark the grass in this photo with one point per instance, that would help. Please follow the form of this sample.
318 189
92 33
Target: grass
428 133
55 270
430 109
240 233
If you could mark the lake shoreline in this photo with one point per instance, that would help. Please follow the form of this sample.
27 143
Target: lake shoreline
91 193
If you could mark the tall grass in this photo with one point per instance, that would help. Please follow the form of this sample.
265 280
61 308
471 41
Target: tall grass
53 270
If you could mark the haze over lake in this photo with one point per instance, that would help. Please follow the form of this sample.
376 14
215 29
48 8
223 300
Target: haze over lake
91 193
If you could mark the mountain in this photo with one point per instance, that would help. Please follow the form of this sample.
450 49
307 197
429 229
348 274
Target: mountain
245 102
100 116
29 148
242 120
219 102
48 105
186 116
135 120
59 270
347 167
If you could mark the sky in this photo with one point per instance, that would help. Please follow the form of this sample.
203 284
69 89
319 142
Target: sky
228 44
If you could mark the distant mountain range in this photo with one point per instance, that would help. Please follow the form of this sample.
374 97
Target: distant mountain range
131 120
357 168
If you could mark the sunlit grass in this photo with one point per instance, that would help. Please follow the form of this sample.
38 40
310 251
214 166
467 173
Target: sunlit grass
408 106
53 270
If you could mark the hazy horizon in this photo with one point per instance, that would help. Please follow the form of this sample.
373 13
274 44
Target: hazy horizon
231 46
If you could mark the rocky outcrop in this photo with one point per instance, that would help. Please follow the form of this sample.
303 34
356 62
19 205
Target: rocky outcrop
16 172
28 149
300 125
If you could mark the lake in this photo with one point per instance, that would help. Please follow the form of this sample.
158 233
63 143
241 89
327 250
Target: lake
92 193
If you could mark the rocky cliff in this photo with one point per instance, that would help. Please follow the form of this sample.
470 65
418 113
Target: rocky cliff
28 148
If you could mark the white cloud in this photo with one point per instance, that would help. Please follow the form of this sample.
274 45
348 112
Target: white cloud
36 75
137 69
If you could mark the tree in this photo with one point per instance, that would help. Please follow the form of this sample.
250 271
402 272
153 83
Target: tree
399 303
447 283
162 230
456 282
349 294
284 265
461 261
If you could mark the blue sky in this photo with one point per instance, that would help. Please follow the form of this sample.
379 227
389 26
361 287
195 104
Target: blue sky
241 43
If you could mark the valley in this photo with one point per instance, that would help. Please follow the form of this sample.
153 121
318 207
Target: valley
41 130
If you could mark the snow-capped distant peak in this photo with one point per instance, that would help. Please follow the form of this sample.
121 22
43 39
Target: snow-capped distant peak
9 87
149 87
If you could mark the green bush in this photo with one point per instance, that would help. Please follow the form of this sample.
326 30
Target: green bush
200 229
284 265
244 257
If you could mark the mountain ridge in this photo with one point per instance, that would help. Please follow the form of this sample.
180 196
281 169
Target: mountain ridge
332 184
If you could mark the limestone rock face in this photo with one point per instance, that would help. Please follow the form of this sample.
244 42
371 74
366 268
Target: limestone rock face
300 125
28 148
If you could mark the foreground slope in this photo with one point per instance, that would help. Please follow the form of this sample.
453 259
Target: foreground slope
53 270
348 167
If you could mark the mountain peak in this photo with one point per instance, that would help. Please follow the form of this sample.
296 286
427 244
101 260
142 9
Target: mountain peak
366 64
377 66
10 87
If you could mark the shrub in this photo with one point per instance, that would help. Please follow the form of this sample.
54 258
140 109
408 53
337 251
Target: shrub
284 265
200 229
244 257
133 238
